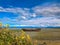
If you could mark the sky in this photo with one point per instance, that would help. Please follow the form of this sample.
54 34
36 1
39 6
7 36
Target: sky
30 13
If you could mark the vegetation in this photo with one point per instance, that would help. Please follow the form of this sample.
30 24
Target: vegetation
19 37
9 37
12 38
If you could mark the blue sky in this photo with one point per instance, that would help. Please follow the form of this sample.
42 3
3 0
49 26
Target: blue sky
24 3
35 13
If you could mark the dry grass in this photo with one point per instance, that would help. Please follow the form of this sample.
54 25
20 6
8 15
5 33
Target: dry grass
51 37
50 42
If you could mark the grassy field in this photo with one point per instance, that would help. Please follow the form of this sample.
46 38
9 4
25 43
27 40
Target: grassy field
47 36
50 42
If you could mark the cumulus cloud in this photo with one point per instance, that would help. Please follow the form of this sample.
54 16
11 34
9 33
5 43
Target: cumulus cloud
42 22
47 10
22 13
31 16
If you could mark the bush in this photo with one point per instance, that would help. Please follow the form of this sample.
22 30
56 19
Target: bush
8 37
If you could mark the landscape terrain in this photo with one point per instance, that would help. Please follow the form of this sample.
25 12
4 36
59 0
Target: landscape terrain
45 36
51 36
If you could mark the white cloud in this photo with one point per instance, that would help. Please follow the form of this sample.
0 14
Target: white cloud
34 15
50 10
44 10
26 17
45 21
23 17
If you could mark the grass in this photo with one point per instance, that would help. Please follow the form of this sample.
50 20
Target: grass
19 37
9 37
50 36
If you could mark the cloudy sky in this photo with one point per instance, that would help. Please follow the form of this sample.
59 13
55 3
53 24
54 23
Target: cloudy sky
33 13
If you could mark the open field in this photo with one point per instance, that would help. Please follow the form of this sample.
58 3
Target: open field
50 42
48 36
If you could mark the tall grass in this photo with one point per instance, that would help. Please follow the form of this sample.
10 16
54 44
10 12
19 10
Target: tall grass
9 37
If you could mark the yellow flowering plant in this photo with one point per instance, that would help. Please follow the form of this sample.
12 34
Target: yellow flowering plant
10 37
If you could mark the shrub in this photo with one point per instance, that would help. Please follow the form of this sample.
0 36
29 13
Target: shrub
8 37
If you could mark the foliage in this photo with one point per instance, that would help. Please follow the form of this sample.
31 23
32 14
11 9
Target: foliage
8 37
